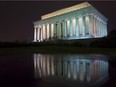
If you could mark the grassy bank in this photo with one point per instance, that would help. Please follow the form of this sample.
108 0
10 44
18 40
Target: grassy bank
58 49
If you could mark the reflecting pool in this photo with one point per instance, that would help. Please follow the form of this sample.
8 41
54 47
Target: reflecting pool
57 70
72 69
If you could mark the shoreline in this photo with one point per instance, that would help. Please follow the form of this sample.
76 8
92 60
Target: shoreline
59 49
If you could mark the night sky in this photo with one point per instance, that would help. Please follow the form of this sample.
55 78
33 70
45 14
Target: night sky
16 18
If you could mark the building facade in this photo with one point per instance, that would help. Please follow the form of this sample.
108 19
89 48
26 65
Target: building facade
80 21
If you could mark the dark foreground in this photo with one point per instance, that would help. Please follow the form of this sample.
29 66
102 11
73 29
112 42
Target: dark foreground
58 49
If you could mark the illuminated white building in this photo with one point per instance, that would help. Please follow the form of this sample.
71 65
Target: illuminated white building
92 69
76 22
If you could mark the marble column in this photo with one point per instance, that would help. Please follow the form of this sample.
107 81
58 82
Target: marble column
57 27
35 34
94 26
100 28
41 33
81 26
62 29
77 27
47 31
50 31
103 30
106 29
55 30
74 27
91 24
84 26
68 28
71 29
87 25
93 18
59 30
65 29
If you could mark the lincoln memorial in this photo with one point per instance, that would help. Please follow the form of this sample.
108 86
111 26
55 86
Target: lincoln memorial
80 21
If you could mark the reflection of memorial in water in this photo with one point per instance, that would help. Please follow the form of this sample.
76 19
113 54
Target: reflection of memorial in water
82 68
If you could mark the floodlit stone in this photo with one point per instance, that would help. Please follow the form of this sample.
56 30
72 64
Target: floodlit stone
80 21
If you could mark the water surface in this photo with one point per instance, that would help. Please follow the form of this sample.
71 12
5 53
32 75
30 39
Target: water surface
54 70
74 70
